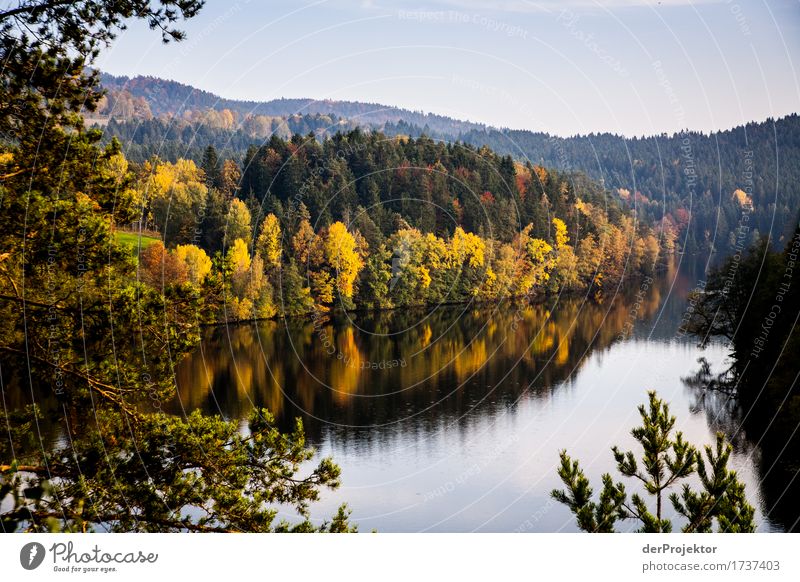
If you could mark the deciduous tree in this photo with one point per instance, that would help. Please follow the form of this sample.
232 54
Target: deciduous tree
198 263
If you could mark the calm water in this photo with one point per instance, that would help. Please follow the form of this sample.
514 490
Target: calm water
452 419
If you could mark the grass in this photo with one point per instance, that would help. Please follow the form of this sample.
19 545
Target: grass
134 239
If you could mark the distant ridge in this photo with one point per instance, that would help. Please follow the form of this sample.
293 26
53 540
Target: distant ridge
167 97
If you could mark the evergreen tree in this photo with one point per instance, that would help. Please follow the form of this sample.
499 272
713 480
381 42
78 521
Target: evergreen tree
296 295
214 221
210 166
666 460
374 288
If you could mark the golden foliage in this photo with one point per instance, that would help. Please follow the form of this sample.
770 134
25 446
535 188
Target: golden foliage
198 263
269 241
239 256
467 247
561 237
742 198
342 254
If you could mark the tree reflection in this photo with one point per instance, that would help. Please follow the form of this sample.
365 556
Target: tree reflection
365 373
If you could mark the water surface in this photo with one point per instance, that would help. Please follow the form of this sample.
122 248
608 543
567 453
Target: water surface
451 419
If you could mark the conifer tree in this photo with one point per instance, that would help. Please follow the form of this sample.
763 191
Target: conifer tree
210 166
666 460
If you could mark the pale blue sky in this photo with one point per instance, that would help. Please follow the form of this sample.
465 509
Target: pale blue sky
572 66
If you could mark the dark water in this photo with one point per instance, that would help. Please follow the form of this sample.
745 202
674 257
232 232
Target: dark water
452 419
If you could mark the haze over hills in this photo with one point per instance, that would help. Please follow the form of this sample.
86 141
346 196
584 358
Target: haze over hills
720 190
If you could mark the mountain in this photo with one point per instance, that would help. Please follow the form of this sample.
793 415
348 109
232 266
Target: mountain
721 190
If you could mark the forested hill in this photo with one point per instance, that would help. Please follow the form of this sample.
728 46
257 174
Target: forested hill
720 191
173 98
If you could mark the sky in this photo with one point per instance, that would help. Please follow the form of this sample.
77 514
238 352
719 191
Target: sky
631 67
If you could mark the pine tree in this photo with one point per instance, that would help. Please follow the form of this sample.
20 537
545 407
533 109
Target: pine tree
374 288
666 460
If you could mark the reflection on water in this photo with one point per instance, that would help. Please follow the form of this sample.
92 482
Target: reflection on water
452 419
373 370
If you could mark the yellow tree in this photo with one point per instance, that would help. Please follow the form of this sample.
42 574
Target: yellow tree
258 291
467 247
434 256
177 195
565 269
561 237
308 250
500 278
240 305
616 249
239 256
341 252
652 252
540 254
466 259
535 260
590 259
238 224
303 244
268 244
434 251
198 263
251 291
412 257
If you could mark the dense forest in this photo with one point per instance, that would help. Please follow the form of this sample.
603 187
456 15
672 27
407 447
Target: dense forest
721 191
709 185
116 251
188 138
366 221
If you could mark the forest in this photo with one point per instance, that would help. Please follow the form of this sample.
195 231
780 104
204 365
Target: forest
363 221
127 230
708 185
78 323
118 262
155 97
